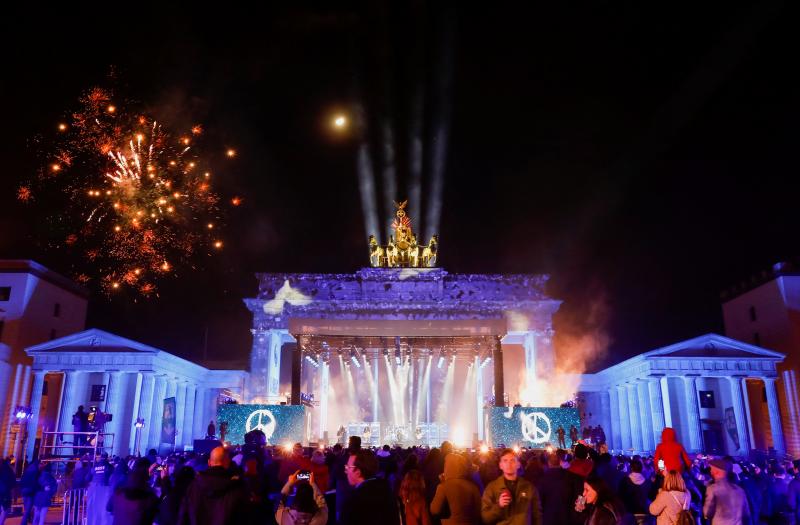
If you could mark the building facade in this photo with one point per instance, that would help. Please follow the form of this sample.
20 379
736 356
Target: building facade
36 305
129 380
706 388
766 312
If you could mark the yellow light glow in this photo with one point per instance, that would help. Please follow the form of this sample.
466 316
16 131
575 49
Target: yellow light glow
484 449
207 174
170 209
55 167
176 195
115 285
231 153
137 271
139 137
340 121
287 447
218 244
117 228
62 127
111 109
210 225
191 164
516 449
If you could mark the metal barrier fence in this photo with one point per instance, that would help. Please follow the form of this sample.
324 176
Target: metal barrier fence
74 512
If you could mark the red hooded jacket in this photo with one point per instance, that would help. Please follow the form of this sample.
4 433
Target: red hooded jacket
672 452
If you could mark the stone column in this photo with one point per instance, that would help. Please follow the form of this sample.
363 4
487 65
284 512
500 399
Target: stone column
297 372
200 422
188 416
9 417
180 413
36 405
774 416
738 412
131 424
614 431
633 414
157 413
68 407
145 411
479 396
624 418
792 422
114 394
499 388
747 415
23 399
693 414
656 408
645 416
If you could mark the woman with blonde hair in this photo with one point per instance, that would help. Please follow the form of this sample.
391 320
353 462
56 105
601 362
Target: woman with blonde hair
412 495
671 500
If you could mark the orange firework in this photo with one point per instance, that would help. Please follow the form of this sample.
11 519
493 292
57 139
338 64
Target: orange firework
138 195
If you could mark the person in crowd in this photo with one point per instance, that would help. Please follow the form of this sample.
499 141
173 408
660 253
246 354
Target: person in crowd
533 470
794 491
599 505
560 432
344 491
372 500
777 507
558 489
510 499
134 502
29 485
671 452
7 483
387 463
725 503
581 465
412 499
215 497
170 505
573 435
80 423
46 488
634 491
607 467
671 499
320 470
296 461
457 500
211 430
308 506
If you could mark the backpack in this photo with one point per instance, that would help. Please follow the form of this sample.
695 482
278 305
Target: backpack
685 516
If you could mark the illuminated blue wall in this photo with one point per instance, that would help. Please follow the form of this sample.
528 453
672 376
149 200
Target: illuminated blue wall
280 423
529 426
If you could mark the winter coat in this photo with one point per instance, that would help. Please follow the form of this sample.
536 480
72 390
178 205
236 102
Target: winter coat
667 505
726 504
214 498
634 491
29 482
605 514
133 506
457 499
288 516
371 502
674 455
524 509
47 488
558 489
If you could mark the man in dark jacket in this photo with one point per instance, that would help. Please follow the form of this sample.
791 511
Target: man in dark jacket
558 490
29 486
510 499
215 497
372 500
134 502
635 489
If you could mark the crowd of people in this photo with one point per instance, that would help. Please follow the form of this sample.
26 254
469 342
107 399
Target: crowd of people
259 484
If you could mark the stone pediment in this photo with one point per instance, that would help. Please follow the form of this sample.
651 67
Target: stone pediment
714 346
92 340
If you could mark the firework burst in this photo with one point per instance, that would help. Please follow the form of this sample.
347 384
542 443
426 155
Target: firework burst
139 205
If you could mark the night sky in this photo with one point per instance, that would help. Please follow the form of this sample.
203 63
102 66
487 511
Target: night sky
645 158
